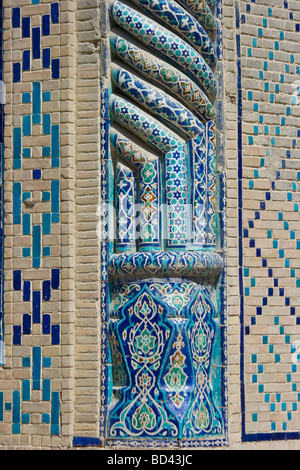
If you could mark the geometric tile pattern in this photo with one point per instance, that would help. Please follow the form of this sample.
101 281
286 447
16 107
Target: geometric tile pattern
36 166
270 225
163 380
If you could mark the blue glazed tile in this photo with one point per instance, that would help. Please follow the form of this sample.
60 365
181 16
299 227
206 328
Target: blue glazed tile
26 60
26 361
36 43
45 418
36 103
36 174
55 334
46 392
17 203
55 13
46 25
26 97
55 68
36 246
55 218
36 307
27 125
46 96
46 324
55 145
86 441
26 324
25 418
16 412
46 291
17 145
36 368
26 224
55 278
46 251
26 153
16 17
26 195
47 362
46 58
17 280
26 27
46 196
17 335
55 192
55 407
27 291
46 152
46 124
26 390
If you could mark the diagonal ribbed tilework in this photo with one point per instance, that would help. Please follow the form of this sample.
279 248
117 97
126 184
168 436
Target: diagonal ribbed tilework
163 351
35 166
270 225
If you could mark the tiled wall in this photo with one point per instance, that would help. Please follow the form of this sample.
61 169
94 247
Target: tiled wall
31 377
2 100
35 180
51 354
269 226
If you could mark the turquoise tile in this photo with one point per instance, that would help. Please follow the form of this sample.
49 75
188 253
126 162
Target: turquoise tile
26 97
46 223
36 246
46 393
36 103
36 368
27 125
26 390
26 224
46 96
46 124
17 145
17 203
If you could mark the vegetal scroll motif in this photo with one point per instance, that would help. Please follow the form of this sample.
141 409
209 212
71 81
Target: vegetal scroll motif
163 268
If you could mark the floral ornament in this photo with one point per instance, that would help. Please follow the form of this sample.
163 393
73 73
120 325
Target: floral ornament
145 342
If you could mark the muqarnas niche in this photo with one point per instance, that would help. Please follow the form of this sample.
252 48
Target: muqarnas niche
166 319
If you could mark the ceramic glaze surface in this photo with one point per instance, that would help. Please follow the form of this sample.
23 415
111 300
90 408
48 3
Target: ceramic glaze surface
162 267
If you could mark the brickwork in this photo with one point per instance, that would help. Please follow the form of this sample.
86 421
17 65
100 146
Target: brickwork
88 338
52 381
36 388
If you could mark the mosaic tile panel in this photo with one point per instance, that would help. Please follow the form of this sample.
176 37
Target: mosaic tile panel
269 219
164 369
2 100
35 162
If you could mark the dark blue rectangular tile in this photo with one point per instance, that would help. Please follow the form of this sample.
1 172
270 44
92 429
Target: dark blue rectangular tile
55 330
17 72
26 324
36 43
55 68
46 290
36 307
16 17
46 58
46 324
46 25
26 291
55 13
26 27
55 278
26 60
